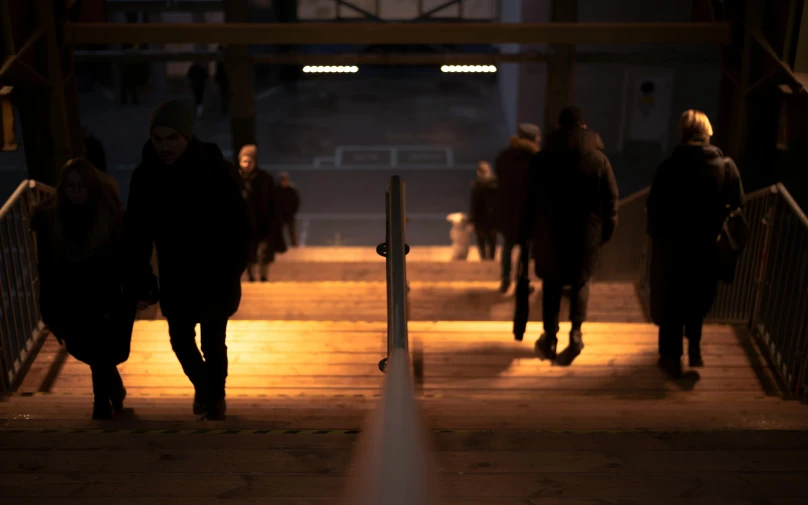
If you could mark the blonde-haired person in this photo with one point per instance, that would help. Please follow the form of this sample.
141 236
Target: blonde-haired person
483 210
81 265
687 205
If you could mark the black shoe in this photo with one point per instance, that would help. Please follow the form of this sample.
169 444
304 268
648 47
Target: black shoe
546 346
102 411
264 279
576 342
671 366
695 360
505 286
117 401
216 410
199 404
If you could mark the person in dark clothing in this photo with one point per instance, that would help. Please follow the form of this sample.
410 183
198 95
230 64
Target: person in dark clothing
186 200
198 77
83 298
483 210
263 206
691 194
572 213
288 205
223 84
512 168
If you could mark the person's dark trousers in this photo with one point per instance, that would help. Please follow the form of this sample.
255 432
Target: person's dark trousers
507 252
208 374
487 243
291 225
552 291
108 389
670 338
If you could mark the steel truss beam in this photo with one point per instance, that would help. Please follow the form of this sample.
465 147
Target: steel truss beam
399 33
640 58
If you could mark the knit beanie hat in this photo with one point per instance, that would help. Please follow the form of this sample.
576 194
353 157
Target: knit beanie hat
528 131
175 115
250 151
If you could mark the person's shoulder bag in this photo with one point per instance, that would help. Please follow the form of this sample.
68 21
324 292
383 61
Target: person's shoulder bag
734 233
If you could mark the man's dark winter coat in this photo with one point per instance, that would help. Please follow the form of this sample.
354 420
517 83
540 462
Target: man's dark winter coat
512 169
572 207
484 202
262 199
195 212
288 202
686 207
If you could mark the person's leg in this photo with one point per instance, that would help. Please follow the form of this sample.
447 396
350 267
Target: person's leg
579 303
265 258
491 242
481 243
183 341
693 331
670 348
505 261
102 409
117 392
214 348
551 306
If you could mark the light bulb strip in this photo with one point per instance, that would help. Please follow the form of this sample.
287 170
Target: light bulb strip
313 69
465 69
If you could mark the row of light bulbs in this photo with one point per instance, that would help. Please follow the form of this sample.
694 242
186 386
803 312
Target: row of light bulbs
468 68
330 70
462 69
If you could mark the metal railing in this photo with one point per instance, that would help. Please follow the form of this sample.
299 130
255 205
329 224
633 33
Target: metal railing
394 250
21 328
392 458
770 291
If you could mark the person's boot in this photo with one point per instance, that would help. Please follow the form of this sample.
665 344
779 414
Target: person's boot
576 342
216 410
694 354
117 401
264 273
505 286
547 345
671 366
199 401
102 410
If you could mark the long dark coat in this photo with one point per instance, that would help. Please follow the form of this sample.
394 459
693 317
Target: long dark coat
484 200
264 208
686 208
83 297
512 168
572 205
195 213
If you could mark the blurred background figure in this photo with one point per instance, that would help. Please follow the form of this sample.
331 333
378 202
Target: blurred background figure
512 171
223 85
288 206
460 235
261 197
81 265
483 210
198 77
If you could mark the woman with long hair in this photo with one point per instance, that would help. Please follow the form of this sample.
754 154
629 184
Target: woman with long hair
81 270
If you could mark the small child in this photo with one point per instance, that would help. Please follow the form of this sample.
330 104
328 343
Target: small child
460 235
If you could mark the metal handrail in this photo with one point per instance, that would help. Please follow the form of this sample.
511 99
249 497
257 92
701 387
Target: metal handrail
21 328
394 250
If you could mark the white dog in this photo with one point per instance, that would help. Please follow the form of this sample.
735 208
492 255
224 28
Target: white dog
460 235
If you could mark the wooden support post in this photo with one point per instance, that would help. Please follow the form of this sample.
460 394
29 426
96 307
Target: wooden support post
238 66
560 67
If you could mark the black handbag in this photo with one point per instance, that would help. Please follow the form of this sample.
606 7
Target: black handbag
733 236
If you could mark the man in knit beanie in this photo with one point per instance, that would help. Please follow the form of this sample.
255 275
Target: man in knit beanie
172 127
186 201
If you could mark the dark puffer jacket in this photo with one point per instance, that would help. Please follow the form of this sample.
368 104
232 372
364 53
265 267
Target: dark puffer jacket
512 168
572 205
195 213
